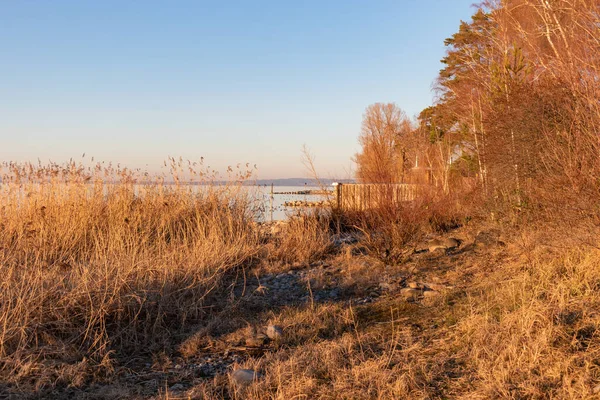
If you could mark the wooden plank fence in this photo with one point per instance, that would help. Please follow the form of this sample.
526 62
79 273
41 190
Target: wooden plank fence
362 196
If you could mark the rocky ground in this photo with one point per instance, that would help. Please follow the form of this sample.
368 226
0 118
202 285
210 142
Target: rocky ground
251 327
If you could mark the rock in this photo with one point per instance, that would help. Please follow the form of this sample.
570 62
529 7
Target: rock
342 239
430 297
487 238
257 340
435 286
411 294
443 244
178 387
274 332
245 377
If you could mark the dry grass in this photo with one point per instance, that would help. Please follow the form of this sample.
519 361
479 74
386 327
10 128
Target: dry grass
96 275
533 330
528 330
91 269
390 232
304 239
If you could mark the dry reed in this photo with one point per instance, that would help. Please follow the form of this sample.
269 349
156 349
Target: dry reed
99 262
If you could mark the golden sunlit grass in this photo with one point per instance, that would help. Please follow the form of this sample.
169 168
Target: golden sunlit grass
92 264
533 329
529 331
99 266
303 239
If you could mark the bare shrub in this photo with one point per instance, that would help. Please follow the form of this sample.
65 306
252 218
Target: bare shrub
391 231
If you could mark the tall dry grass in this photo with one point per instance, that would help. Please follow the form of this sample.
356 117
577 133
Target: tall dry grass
304 238
102 262
532 330
528 331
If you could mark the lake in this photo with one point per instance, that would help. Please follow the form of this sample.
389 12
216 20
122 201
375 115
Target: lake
276 210
270 209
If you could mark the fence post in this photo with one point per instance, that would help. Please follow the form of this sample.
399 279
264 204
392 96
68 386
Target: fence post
271 202
338 188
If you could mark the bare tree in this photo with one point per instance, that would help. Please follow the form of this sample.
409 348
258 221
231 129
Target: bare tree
383 155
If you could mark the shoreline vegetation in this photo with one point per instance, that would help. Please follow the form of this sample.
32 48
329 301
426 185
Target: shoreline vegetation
172 293
484 286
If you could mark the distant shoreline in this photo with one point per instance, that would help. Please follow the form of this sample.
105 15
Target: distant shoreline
292 182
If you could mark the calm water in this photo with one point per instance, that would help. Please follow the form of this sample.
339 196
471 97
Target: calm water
271 208
276 210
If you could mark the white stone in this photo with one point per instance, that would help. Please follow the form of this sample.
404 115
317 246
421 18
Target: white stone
244 377
443 244
435 286
409 293
431 293
274 332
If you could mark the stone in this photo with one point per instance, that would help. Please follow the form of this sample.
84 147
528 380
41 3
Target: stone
443 244
411 294
256 341
178 387
487 238
435 286
274 332
430 297
415 285
342 239
245 377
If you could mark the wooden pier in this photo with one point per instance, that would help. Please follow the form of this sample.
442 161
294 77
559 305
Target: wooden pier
363 196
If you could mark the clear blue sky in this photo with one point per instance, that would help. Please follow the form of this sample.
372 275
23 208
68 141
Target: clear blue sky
238 81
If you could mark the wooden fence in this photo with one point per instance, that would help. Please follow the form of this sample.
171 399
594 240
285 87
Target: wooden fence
357 197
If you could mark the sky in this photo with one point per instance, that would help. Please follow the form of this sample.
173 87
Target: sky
231 81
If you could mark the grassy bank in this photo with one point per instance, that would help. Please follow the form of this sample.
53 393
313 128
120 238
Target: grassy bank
95 271
112 290
511 324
